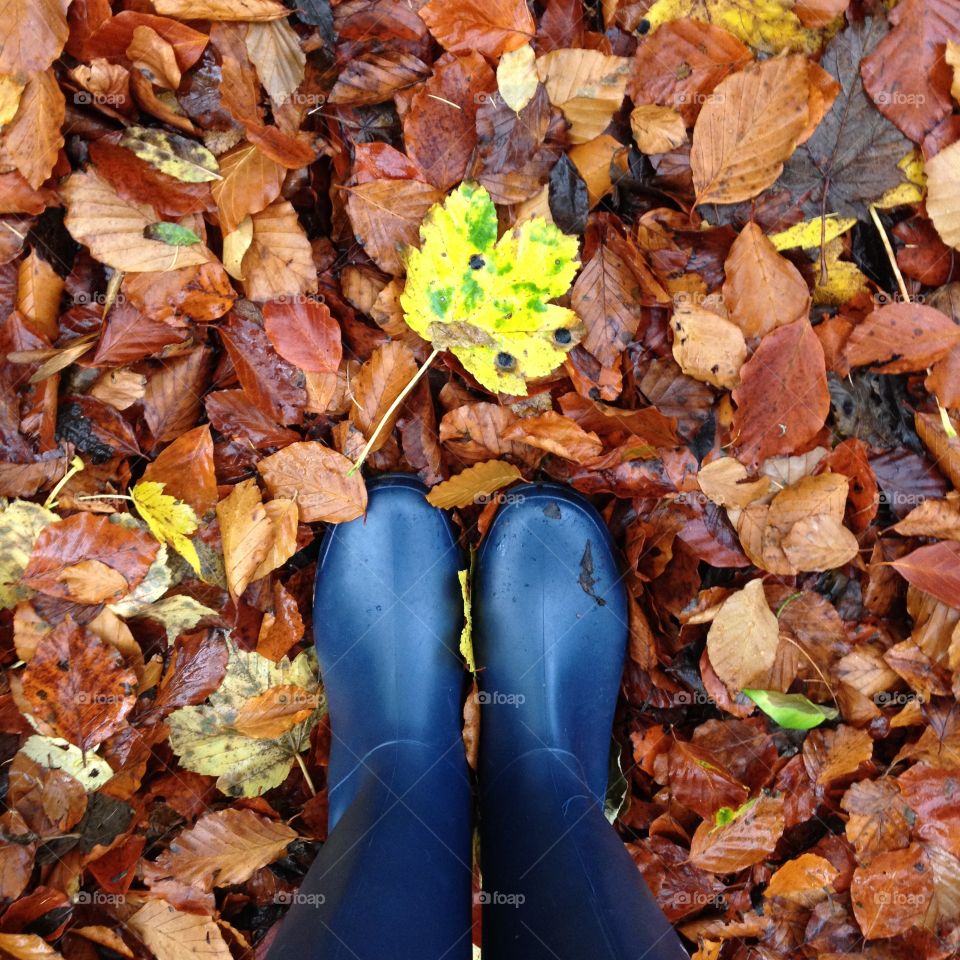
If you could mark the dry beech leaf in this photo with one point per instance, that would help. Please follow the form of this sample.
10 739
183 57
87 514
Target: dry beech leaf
762 289
32 140
386 217
380 382
557 435
223 848
587 85
171 934
657 129
748 129
275 51
316 478
251 182
473 485
246 534
279 261
35 32
943 193
707 346
901 338
113 229
243 10
743 638
275 711
725 482
782 400
304 333
805 881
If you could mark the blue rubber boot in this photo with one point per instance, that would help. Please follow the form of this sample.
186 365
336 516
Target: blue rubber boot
550 633
394 878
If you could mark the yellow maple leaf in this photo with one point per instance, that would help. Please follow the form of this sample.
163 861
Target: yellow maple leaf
170 520
487 300
768 26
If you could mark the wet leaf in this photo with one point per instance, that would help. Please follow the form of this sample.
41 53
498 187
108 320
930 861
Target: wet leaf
172 154
487 300
790 710
206 741
169 520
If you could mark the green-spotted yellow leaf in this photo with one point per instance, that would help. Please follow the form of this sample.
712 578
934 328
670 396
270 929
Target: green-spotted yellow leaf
488 300
177 156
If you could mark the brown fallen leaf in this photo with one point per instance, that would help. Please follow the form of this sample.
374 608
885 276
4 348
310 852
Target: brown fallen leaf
246 533
473 485
171 934
657 129
762 289
279 261
316 478
805 881
782 400
748 129
743 841
743 639
491 27
113 229
86 703
557 435
275 711
901 338
706 345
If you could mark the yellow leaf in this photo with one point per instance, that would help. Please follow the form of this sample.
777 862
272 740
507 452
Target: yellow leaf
175 155
811 233
768 26
487 301
20 523
844 279
474 484
943 199
170 520
466 635
911 190
517 78
56 754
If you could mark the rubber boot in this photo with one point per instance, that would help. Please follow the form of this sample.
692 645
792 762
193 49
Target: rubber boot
550 633
394 878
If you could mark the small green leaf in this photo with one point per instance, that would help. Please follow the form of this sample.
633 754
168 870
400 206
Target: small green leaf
791 710
726 815
171 233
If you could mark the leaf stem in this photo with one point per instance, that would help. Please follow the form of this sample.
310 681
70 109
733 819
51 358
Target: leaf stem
391 410
306 774
904 292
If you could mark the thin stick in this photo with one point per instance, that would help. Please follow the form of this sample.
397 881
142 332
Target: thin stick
306 775
391 410
904 292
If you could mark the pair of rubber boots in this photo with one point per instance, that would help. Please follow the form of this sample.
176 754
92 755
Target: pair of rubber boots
393 881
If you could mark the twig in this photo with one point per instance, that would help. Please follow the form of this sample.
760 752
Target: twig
904 292
306 774
391 410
